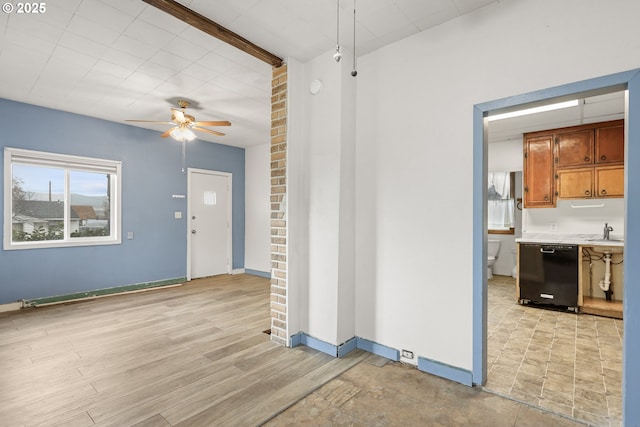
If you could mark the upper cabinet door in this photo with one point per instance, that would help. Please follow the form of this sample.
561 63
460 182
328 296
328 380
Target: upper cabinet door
610 181
539 186
574 148
610 143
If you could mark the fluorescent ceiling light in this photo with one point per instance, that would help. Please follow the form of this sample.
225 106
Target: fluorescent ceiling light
534 110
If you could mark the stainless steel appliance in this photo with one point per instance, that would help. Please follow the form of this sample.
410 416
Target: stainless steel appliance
549 274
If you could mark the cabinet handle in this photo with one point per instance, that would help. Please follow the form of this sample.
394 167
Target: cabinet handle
546 198
587 192
603 157
586 159
604 191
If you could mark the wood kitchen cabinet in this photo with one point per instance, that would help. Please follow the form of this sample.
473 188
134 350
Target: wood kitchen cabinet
585 183
609 143
574 147
539 184
576 183
609 181
577 162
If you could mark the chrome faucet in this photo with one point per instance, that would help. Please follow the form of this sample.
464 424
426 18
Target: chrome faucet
607 229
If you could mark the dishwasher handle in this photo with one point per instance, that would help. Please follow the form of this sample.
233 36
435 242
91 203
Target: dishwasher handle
547 250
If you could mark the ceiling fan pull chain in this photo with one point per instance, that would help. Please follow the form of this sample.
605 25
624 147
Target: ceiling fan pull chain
184 152
354 72
338 55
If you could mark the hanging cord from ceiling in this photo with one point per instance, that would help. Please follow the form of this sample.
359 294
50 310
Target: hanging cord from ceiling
338 55
354 72
184 158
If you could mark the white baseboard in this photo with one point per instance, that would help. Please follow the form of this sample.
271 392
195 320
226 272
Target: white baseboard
237 271
12 306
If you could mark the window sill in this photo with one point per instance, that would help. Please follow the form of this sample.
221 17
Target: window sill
509 231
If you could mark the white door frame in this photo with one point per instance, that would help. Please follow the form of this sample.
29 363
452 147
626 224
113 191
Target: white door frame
229 176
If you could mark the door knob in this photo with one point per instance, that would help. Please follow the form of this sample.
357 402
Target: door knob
193 231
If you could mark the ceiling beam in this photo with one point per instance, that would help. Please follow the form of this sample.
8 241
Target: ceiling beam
214 29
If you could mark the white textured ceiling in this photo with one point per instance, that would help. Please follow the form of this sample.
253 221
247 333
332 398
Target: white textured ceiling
124 59
593 109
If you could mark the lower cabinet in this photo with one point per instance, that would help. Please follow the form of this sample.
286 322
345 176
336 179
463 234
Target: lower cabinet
571 276
592 274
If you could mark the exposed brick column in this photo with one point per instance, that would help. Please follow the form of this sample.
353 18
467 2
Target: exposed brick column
279 331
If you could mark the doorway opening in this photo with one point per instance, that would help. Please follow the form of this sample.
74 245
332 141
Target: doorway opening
596 87
552 358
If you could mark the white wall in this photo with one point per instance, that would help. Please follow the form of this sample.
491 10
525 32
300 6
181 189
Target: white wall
566 219
505 156
414 153
257 252
322 194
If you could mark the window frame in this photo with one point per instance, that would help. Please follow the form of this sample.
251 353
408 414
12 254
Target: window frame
67 163
512 186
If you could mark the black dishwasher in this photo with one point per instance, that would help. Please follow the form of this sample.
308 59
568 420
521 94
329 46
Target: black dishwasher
548 274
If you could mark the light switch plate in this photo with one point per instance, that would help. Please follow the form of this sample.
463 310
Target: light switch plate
129 235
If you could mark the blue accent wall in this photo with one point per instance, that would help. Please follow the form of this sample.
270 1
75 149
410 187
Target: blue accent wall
151 174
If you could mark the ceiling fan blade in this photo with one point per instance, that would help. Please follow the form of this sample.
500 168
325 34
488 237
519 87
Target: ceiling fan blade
215 132
166 134
213 123
178 115
151 121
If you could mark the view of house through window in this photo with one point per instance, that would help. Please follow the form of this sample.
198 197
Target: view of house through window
61 200
500 200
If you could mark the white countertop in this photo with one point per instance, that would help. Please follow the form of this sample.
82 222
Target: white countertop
571 239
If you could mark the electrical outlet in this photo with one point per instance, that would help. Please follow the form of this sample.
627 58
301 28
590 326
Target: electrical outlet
407 354
554 227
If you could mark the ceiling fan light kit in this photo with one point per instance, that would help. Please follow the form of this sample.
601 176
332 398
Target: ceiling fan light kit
182 134
186 124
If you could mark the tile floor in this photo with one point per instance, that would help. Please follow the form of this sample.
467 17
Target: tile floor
567 363
377 392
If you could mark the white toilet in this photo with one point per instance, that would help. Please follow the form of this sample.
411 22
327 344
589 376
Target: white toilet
493 246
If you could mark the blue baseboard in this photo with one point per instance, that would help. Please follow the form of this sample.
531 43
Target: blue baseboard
295 340
303 339
429 366
379 349
347 347
449 372
265 274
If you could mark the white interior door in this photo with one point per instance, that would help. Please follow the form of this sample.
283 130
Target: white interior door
209 223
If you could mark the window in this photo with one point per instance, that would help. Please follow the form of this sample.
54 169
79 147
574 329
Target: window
500 202
55 200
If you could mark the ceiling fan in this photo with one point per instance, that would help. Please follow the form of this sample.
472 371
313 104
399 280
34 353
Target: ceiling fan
184 124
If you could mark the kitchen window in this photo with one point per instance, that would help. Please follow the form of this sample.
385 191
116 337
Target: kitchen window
55 200
500 203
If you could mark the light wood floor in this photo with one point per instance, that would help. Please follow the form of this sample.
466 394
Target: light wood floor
194 355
